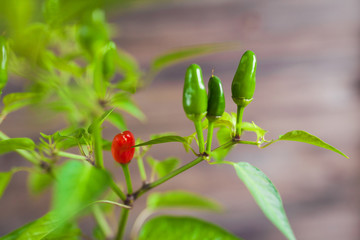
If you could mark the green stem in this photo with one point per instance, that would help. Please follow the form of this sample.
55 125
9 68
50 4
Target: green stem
209 136
99 162
117 190
239 115
122 223
71 155
101 221
156 183
200 136
141 169
125 168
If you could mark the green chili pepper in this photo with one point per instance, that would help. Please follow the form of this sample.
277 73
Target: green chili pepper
243 85
195 100
216 98
216 106
3 63
194 94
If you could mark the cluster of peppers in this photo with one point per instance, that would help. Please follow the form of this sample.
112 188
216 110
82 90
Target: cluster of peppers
197 104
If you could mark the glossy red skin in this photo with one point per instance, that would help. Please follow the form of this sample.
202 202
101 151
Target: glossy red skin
121 147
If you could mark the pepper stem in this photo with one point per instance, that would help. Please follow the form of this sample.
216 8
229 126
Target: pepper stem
99 162
209 136
125 168
122 223
239 116
200 135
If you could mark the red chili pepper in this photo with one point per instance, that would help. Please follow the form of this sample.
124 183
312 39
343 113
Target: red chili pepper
122 147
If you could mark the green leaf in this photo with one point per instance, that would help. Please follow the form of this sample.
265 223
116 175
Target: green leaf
185 53
38 182
123 102
15 101
99 121
46 227
181 199
265 195
164 167
165 139
252 127
106 145
224 137
305 137
117 120
78 184
182 228
5 178
13 144
100 84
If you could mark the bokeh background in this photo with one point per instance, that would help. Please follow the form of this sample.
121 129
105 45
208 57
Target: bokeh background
308 78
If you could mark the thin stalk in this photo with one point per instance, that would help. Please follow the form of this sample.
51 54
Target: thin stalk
99 162
200 135
122 223
209 136
239 116
156 183
101 221
117 190
125 168
142 171
71 155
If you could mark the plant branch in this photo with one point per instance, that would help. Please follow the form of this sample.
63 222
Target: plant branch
147 187
99 162
239 115
122 223
125 168
101 221
199 133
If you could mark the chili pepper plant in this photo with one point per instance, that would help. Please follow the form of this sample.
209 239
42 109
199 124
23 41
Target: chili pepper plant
73 69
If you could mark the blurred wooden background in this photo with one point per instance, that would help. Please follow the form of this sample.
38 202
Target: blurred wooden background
308 78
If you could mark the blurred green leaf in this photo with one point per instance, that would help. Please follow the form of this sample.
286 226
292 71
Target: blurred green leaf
77 186
13 144
15 101
165 139
106 145
108 61
17 14
130 70
185 53
117 120
123 102
163 167
5 178
98 233
38 182
99 121
305 137
265 195
46 227
182 228
181 199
